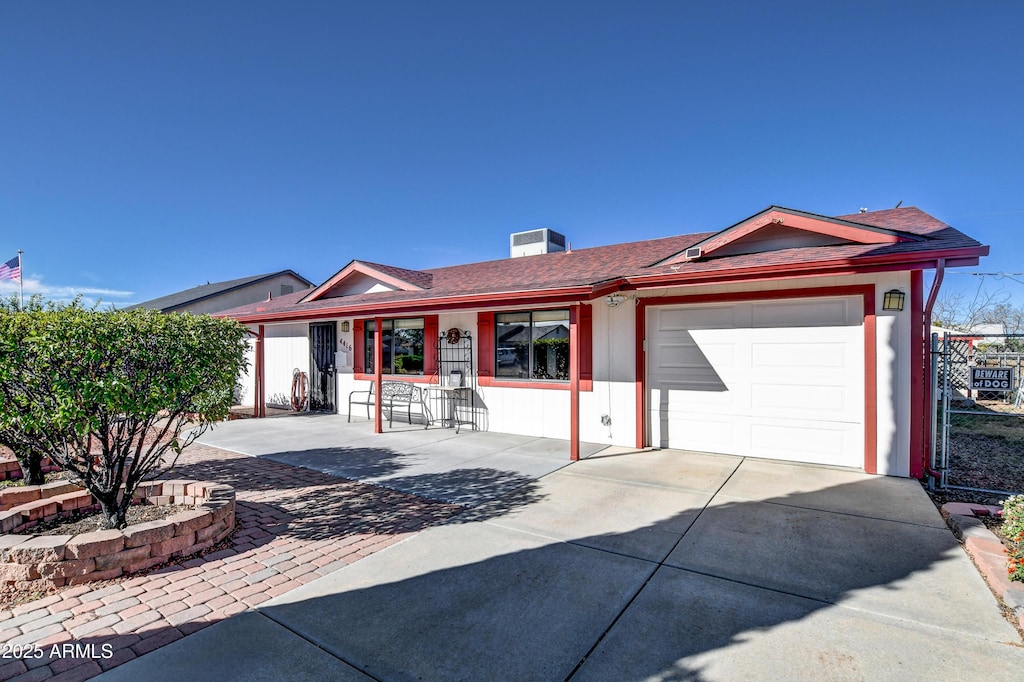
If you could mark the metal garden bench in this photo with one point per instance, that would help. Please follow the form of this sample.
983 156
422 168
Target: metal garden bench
392 394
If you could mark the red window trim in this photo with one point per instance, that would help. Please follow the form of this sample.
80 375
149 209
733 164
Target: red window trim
485 354
429 343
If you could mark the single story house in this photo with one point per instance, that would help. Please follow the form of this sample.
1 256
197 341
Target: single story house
788 335
217 296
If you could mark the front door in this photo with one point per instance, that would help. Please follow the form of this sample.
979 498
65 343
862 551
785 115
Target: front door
323 343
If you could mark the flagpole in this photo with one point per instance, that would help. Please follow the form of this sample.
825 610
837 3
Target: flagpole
21 279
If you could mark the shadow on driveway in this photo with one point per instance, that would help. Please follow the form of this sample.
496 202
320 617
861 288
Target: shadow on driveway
774 588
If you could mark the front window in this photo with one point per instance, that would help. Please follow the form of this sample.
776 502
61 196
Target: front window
532 345
403 346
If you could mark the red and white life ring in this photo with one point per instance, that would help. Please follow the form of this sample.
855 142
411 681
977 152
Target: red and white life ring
300 390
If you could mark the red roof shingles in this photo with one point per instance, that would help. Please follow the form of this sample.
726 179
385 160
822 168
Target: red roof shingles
419 278
593 266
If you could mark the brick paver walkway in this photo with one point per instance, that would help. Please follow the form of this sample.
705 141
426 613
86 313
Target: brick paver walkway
296 526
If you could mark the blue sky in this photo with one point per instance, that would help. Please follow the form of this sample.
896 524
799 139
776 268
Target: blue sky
150 147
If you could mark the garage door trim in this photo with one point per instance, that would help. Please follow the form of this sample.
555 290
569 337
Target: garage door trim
866 291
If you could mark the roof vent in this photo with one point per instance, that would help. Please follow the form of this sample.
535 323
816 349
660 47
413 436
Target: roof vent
533 242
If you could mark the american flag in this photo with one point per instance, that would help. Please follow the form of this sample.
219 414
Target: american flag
11 270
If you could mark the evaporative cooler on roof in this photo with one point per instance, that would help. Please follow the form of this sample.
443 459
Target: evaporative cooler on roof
533 242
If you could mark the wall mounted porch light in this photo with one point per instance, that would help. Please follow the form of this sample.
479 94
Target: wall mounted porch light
614 300
893 300
344 325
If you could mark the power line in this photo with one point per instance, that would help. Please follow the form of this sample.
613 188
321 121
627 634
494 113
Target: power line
1012 276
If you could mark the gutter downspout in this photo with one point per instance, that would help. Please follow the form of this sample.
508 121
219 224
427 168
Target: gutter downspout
929 436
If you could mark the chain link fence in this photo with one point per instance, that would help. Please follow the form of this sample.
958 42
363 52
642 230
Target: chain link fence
978 412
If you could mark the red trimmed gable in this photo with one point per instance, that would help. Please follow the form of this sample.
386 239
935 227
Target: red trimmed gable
778 228
362 277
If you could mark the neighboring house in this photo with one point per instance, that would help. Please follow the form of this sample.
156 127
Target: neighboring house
218 296
769 338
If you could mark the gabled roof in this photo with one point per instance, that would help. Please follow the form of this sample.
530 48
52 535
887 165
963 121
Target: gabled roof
903 238
777 222
171 302
389 275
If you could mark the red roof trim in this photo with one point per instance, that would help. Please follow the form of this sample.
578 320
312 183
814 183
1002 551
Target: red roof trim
808 222
362 268
552 296
845 266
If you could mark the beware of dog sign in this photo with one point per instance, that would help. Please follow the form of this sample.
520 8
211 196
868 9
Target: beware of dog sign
992 378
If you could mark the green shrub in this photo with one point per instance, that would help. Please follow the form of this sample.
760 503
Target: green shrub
105 395
1013 530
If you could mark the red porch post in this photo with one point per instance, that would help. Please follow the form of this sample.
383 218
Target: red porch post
259 407
640 377
574 382
378 373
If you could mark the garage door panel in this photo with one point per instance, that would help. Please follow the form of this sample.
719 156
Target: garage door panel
707 435
806 442
681 356
798 355
705 317
792 390
836 312
823 402
710 398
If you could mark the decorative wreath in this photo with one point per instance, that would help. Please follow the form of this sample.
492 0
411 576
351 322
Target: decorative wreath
453 335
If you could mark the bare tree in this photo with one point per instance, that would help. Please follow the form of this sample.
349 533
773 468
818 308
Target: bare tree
962 311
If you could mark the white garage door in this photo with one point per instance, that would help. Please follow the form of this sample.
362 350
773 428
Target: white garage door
776 379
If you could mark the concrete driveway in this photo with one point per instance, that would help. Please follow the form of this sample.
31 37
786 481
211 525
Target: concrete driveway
634 566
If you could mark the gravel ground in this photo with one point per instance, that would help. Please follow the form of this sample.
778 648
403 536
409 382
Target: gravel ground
991 462
86 523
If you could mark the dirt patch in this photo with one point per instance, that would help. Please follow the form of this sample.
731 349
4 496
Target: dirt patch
986 449
978 460
93 521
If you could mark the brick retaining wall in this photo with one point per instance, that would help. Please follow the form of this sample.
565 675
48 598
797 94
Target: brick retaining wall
58 560
10 470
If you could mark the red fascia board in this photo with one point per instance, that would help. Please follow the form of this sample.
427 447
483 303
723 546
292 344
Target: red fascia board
823 225
609 287
331 281
518 298
864 265
363 269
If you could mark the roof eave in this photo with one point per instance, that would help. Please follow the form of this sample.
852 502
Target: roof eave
841 266
523 297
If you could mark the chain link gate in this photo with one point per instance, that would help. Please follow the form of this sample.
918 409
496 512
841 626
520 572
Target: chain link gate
977 412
